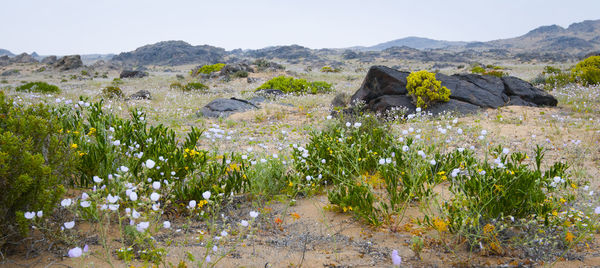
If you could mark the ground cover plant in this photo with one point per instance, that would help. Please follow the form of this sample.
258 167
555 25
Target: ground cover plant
296 86
41 87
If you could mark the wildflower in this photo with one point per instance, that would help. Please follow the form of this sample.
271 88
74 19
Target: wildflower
432 162
156 185
244 223
166 224
97 179
156 206
505 151
74 146
133 196
295 215
597 210
488 228
405 148
207 258
142 226
85 204
278 221
150 164
124 168
323 161
192 204
396 260
113 207
84 196
69 224
253 214
418 110
459 131
329 117
117 143
75 252
66 202
440 225
382 161
348 124
29 215
223 233
357 124
569 237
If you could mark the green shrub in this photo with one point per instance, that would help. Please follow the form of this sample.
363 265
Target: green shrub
240 74
328 69
194 86
208 69
35 159
587 71
477 70
297 86
176 85
117 81
112 92
425 89
488 70
41 87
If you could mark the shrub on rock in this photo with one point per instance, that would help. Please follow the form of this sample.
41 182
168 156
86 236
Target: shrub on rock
425 89
208 69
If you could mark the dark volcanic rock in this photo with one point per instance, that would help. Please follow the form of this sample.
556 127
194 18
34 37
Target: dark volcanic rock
141 95
225 107
133 74
232 68
68 63
49 60
23 58
384 88
283 52
171 53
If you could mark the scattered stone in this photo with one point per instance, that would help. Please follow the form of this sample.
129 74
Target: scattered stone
10 72
269 92
68 63
384 88
233 68
141 95
225 107
133 74
251 80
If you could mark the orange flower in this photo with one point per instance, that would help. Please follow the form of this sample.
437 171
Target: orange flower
278 221
569 237
295 215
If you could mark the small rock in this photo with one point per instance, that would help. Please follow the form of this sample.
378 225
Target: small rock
226 107
141 95
133 74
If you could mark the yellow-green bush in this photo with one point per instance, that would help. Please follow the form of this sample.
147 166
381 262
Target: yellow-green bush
298 86
425 89
41 87
587 71
207 69
328 69
112 92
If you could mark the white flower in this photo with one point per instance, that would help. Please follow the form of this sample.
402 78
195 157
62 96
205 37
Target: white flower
357 124
40 214
104 207
154 196
124 168
156 207
275 156
484 132
418 109
156 185
166 224
505 151
97 179
69 224
481 137
244 223
84 196
597 210
85 204
396 260
262 160
381 161
308 178
117 143
142 226
66 202
460 149
323 161
215 248
224 233
244 157
388 160
482 172
405 148
206 195
29 215
150 164
207 258
113 207
329 117
459 131
135 214
455 172
112 199
432 162
75 252
348 124
133 196
192 204
253 214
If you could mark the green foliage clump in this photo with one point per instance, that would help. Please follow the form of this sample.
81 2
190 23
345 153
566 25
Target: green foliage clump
41 87
488 70
296 86
587 71
112 92
240 74
35 159
329 69
189 86
425 89
208 69
555 77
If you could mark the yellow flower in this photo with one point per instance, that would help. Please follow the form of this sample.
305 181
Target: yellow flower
74 146
569 237
441 173
444 178
440 225
488 228
562 200
202 203
92 131
554 213
290 184
573 185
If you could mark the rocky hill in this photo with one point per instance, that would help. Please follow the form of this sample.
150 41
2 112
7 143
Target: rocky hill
171 53
4 52
417 43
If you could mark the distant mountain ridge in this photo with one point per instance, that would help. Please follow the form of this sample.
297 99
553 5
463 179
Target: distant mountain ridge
416 42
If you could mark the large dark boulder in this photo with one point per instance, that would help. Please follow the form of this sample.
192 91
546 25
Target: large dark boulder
23 58
68 63
226 107
49 60
384 88
133 74
171 53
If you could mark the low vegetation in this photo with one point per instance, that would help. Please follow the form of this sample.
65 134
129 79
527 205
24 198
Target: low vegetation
296 85
40 87
425 90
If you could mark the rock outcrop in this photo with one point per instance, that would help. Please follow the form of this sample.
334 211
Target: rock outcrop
384 88
132 74
171 53
68 63
226 107
141 95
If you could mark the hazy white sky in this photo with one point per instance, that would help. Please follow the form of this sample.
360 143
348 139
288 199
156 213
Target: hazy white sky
113 26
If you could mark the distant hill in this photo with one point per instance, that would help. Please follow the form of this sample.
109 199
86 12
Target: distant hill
4 52
417 43
172 53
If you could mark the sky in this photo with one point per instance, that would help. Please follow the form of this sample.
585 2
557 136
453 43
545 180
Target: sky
62 27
